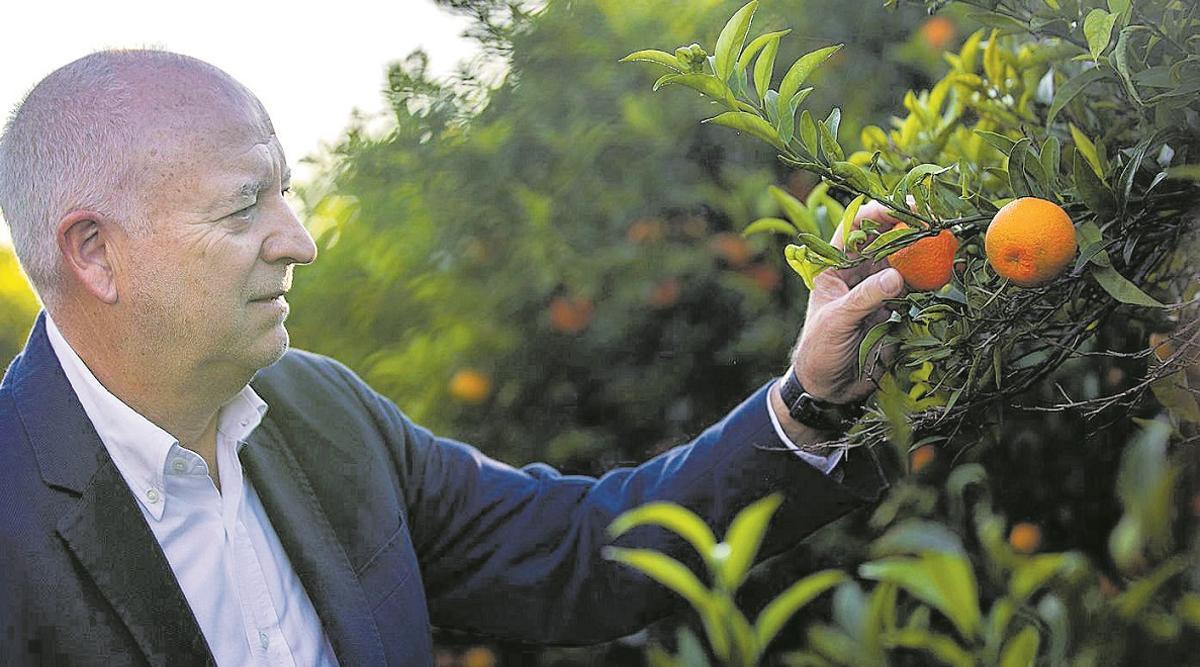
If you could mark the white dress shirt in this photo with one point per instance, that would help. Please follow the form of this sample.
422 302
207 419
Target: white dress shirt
825 464
225 554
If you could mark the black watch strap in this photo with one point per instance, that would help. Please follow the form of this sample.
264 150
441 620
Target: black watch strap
814 412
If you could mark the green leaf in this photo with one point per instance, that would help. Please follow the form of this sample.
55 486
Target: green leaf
666 571
795 210
942 647
829 145
776 225
1085 147
1006 25
1097 28
1070 89
764 67
1033 573
1091 190
654 56
1021 650
856 176
1050 157
915 536
818 245
1129 172
848 215
787 113
744 538
731 39
1018 180
998 141
670 516
873 336
808 133
1141 592
944 581
882 246
750 124
777 612
1190 172
704 83
758 44
1173 393
797 259
1121 289
800 70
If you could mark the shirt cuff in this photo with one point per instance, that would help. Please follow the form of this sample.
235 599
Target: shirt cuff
825 464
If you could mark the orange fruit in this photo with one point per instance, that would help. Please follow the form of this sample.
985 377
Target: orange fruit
1030 241
1162 346
921 457
732 248
571 315
936 32
928 263
470 386
479 656
644 231
1025 537
664 294
764 276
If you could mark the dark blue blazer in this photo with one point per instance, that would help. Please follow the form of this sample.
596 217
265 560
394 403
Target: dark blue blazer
391 529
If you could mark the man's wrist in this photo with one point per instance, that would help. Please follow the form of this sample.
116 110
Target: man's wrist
803 436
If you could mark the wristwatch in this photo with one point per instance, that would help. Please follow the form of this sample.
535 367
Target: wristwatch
814 412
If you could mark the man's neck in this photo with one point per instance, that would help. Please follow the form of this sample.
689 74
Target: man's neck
181 401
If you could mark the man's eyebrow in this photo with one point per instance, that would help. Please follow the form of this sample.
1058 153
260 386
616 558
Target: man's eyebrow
250 190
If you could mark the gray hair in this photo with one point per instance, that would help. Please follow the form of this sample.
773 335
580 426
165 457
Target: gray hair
70 145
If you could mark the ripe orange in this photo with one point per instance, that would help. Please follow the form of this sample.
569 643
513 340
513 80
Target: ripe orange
645 231
764 276
1030 241
732 248
1025 537
478 656
921 457
928 263
936 32
470 386
664 294
571 315
1162 346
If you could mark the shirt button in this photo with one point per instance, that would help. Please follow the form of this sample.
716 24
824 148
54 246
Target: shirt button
178 466
264 639
152 495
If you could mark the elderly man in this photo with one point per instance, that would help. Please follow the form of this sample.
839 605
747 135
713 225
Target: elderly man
178 488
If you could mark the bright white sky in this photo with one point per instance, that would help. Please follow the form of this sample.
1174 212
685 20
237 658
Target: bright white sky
310 63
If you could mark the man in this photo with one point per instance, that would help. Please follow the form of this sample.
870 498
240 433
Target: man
177 488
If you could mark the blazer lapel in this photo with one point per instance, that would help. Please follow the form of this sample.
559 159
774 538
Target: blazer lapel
312 546
109 536
104 528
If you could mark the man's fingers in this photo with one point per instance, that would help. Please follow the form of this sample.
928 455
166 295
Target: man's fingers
868 296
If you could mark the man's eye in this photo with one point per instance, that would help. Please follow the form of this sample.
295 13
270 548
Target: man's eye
245 213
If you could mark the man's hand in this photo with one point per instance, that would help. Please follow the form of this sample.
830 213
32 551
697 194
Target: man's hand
843 305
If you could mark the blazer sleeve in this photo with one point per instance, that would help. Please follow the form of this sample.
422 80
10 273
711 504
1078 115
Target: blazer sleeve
516 552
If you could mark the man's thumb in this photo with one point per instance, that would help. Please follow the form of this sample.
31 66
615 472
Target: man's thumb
869 295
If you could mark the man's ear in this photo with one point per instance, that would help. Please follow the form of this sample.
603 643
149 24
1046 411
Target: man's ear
85 239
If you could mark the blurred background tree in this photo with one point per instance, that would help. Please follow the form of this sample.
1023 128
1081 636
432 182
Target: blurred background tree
548 264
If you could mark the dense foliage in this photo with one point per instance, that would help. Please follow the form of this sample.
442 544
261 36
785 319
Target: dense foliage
550 268
1024 398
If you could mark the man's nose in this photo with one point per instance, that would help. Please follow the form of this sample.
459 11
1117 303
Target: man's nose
290 242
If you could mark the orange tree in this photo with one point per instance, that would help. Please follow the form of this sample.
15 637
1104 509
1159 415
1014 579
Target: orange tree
1054 517
558 238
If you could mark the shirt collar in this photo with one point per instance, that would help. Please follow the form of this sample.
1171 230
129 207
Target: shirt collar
139 448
